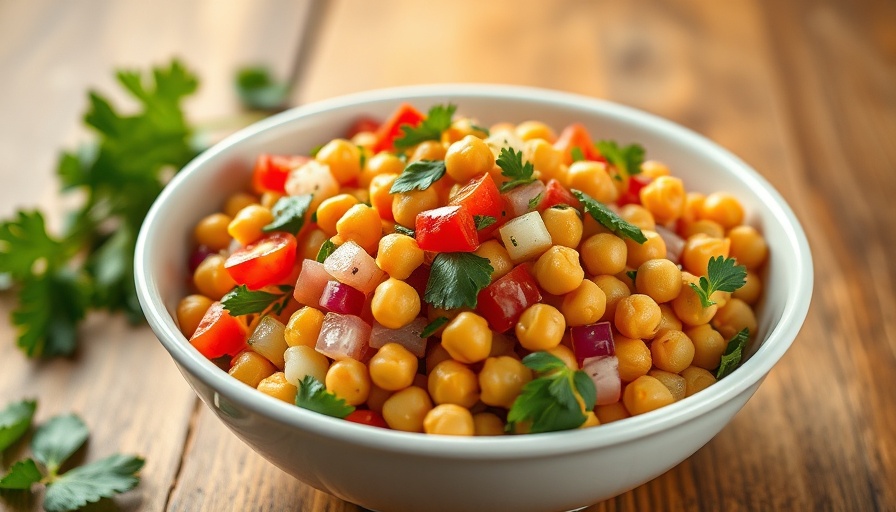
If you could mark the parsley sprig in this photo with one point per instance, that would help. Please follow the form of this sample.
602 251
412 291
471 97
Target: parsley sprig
734 353
483 221
456 278
438 119
419 175
313 395
626 159
608 219
89 265
721 275
513 167
53 444
243 301
289 214
548 402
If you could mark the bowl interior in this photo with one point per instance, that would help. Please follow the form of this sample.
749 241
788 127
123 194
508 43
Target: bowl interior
201 188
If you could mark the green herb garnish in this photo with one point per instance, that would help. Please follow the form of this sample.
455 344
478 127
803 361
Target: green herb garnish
721 275
419 175
548 402
576 153
734 353
433 326
243 301
512 166
456 278
533 203
401 230
438 119
626 159
326 249
483 221
608 219
258 90
14 422
313 395
289 214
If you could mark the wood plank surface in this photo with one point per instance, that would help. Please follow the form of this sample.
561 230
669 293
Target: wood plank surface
804 91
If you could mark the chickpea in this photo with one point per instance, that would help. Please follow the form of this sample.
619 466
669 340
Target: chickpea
733 317
399 255
653 248
584 305
331 210
614 290
748 247
428 150
674 382
546 159
564 225
540 327
269 199
688 307
723 208
637 316
449 420
696 379
664 197
407 205
693 205
669 319
380 197
278 387
309 244
565 354
246 226
501 380
646 394
237 202
528 130
709 228
467 338
406 409
654 168
610 413
487 424
303 327
349 379
639 216
558 270
362 225
672 351
751 290
380 163
211 231
251 368
709 346
699 249
395 303
497 257
212 279
634 358
343 158
660 279
467 158
604 253
393 367
451 382
190 311
593 179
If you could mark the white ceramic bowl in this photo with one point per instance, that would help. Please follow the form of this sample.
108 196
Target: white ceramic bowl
394 471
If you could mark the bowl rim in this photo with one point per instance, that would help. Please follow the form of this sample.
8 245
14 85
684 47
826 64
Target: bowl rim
750 373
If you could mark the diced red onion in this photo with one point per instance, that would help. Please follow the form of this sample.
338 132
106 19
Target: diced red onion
592 340
604 372
408 336
310 283
518 198
674 243
342 298
343 337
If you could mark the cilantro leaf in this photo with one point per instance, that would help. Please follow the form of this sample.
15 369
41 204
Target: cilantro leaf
326 249
243 301
21 475
48 311
512 166
483 221
57 439
419 175
14 422
89 483
289 214
734 353
438 119
24 243
456 278
313 395
721 275
576 153
433 326
258 90
608 219
548 402
626 159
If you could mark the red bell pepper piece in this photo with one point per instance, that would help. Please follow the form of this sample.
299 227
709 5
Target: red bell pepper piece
632 194
576 136
446 229
480 196
503 302
271 171
219 333
555 193
391 129
367 417
268 261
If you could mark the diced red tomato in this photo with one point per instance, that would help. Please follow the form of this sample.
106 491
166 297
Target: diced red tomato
446 229
503 302
480 196
391 129
219 333
367 417
577 136
632 194
362 124
555 193
271 171
268 261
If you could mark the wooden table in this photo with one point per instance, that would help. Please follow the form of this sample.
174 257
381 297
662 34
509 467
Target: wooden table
802 90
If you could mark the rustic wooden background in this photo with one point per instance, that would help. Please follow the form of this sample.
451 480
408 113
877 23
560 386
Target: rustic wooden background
803 90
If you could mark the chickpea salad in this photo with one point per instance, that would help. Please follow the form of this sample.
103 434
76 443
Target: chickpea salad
429 274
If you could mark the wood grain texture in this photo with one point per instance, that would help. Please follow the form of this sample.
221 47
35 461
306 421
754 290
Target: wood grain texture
804 91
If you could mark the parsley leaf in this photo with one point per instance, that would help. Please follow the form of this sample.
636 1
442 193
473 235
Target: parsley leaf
626 159
57 439
243 301
483 221
14 422
548 403
721 274
438 119
21 475
24 242
91 482
326 249
533 203
48 311
313 395
401 230
576 153
456 278
512 166
734 352
258 90
289 214
419 175
485 131
433 326
608 219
